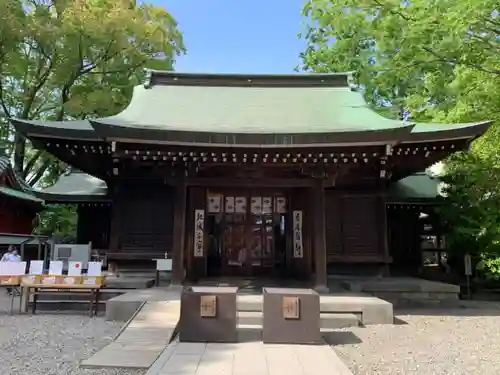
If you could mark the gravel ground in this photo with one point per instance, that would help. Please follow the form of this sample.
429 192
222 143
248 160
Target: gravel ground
52 344
432 342
425 342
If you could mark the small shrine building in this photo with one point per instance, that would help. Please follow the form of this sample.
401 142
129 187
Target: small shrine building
18 203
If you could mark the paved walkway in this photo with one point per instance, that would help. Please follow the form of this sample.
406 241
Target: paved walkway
248 358
142 341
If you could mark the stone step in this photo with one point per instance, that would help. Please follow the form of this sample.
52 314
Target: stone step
249 303
327 320
339 320
254 303
125 282
151 275
151 268
249 318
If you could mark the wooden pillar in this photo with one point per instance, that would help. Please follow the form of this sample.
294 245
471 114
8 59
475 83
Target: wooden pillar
115 226
384 238
179 233
319 236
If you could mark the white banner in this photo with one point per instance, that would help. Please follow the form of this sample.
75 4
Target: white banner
298 246
199 226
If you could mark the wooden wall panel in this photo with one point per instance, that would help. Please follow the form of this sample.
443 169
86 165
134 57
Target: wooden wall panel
94 225
360 225
333 207
15 217
146 218
353 227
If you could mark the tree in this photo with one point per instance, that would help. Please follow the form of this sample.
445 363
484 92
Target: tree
473 210
59 220
63 60
436 60
430 61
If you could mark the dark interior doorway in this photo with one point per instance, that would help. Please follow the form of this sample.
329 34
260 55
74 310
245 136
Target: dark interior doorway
247 233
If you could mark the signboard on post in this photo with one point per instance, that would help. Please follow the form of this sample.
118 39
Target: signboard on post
468 273
468 265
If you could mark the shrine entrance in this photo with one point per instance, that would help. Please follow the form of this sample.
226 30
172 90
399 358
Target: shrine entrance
247 232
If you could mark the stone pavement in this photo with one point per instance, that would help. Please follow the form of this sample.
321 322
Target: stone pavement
143 339
248 358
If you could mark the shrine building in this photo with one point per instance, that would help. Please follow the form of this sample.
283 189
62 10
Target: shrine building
248 175
19 205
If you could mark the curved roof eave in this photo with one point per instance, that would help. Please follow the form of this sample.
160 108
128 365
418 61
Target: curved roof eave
16 187
76 129
70 198
76 187
22 195
417 187
99 129
263 140
423 132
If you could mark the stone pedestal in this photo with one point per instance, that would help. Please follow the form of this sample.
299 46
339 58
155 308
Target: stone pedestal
321 289
208 314
291 316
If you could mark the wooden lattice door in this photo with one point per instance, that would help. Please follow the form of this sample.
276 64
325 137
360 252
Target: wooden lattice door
248 223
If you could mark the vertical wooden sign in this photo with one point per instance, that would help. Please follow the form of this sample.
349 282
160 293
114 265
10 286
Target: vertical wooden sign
298 245
199 226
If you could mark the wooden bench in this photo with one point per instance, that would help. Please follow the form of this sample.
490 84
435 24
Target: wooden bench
57 289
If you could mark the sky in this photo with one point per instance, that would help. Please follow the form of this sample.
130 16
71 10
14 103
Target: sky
238 36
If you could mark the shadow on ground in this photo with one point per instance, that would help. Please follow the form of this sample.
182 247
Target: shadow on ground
341 338
399 321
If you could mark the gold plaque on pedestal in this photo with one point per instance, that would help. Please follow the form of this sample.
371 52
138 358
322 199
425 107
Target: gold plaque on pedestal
208 306
291 308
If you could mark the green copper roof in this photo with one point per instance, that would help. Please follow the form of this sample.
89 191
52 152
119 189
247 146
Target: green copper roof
20 239
75 186
251 110
81 129
420 186
19 188
19 194
237 109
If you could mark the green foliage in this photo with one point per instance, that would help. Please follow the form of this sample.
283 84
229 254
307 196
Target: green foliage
434 61
62 60
58 220
489 268
437 60
472 212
